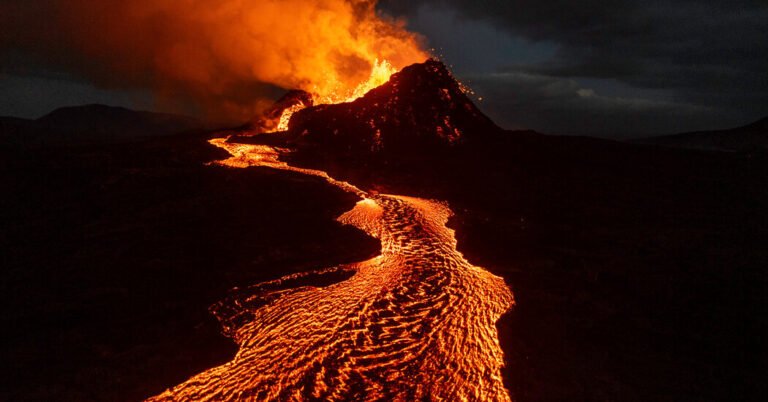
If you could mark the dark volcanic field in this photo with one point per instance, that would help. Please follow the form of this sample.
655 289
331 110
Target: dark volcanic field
112 254
639 272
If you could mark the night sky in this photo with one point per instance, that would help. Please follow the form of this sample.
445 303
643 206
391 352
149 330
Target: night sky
606 68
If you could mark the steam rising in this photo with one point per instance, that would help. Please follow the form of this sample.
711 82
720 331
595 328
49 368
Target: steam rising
224 55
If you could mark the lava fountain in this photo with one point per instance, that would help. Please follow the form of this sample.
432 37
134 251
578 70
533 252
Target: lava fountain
416 322
380 73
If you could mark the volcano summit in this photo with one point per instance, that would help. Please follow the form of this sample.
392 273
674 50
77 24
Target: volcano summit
420 107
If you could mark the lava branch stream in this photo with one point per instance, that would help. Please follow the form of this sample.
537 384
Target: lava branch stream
416 322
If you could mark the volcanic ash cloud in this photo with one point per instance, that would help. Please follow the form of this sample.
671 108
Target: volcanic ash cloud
224 55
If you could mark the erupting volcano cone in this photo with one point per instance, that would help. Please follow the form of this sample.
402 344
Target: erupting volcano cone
421 106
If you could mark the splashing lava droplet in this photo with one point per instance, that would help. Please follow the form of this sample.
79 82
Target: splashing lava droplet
416 322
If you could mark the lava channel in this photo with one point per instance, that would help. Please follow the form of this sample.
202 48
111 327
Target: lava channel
416 322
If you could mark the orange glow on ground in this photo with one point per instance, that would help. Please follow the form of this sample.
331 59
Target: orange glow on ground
416 322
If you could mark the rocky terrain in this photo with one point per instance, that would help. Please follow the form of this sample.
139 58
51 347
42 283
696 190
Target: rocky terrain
639 272
112 254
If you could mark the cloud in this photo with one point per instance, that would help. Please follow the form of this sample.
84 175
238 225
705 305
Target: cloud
223 54
698 64
713 55
564 106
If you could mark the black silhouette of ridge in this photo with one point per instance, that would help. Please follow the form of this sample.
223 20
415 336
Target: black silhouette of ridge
751 137
94 123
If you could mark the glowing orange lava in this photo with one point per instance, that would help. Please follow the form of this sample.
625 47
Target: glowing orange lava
415 323
285 117
380 74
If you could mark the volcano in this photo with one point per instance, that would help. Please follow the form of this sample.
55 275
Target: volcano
421 107
367 264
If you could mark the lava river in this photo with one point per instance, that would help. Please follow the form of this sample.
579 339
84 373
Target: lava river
414 323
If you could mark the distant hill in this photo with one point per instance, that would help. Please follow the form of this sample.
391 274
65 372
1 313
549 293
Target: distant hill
741 139
93 124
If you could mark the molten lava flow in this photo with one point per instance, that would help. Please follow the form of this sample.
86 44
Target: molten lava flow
285 117
415 323
380 74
